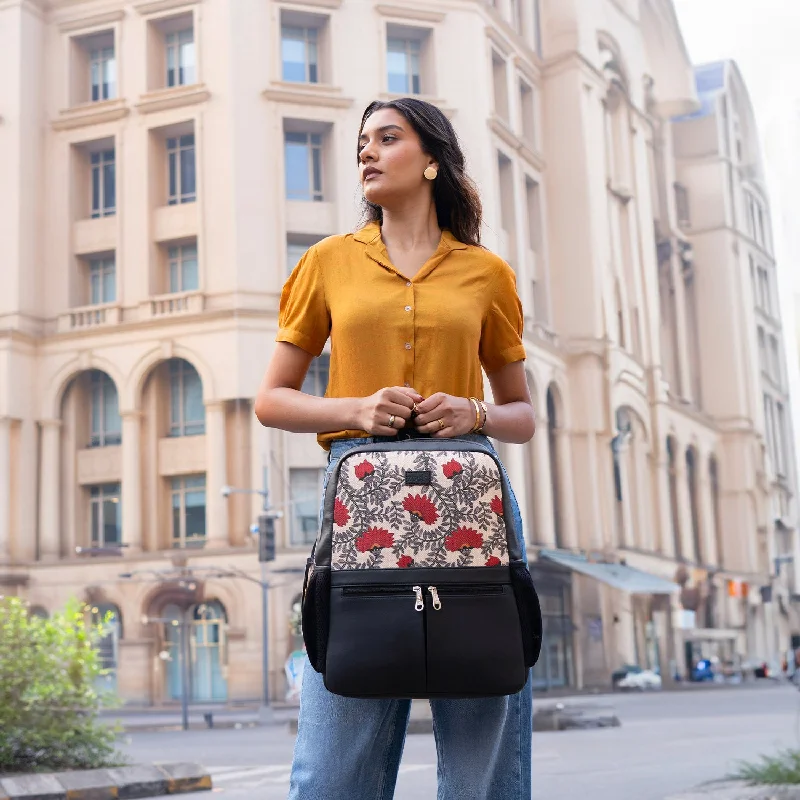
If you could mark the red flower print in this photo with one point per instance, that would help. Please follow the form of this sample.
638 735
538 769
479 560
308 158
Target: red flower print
374 539
419 506
463 539
493 561
497 506
364 470
341 516
404 561
452 468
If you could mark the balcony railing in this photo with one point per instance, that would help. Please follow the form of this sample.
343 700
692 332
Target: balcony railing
170 305
87 317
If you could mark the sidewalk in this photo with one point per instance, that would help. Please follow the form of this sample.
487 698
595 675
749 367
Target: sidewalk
248 714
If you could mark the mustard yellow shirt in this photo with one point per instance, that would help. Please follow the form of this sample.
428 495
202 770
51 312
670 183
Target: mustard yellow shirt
461 311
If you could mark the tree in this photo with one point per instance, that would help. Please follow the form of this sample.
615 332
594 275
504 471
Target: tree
49 704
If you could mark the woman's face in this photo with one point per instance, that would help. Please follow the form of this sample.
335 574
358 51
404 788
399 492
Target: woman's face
392 161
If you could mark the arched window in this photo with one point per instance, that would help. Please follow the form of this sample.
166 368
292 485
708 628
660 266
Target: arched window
187 412
552 441
673 497
105 423
691 479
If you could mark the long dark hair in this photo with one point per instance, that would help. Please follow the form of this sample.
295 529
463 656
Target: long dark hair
458 204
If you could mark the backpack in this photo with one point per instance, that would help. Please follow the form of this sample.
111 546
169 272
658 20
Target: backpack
416 586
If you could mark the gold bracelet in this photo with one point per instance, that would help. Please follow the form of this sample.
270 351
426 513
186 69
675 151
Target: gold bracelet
477 425
485 416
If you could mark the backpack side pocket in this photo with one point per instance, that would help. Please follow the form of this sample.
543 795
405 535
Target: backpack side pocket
530 612
315 613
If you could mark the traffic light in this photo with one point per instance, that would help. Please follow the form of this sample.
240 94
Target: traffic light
266 537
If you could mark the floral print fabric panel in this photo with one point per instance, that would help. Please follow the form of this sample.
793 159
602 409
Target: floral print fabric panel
455 520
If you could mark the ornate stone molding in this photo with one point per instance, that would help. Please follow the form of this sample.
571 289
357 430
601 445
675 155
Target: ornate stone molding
173 97
145 7
90 114
415 13
312 94
95 21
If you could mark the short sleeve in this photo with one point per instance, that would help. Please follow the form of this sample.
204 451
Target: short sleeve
501 334
304 319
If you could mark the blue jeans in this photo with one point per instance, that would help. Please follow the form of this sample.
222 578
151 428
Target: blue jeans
350 749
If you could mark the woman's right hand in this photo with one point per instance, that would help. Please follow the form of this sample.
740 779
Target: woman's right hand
375 412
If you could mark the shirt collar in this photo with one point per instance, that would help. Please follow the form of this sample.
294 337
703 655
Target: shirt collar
371 234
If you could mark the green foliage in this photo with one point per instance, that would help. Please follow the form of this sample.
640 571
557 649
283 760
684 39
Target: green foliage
48 701
783 769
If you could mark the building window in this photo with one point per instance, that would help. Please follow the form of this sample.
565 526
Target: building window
694 508
106 515
104 193
187 413
189 511
713 479
762 352
102 280
764 294
316 380
106 425
181 161
528 112
303 158
103 70
305 489
682 205
500 83
300 54
774 355
183 273
553 425
672 471
403 62
537 28
515 15
781 465
108 618
180 57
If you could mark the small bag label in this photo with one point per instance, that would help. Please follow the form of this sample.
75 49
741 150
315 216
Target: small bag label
420 477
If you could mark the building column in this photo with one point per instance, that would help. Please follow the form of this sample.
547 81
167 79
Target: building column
515 466
216 477
50 498
132 480
25 544
5 489
566 494
543 486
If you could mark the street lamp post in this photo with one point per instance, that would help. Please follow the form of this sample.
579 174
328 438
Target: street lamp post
266 552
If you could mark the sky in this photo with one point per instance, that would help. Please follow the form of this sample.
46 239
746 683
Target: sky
763 37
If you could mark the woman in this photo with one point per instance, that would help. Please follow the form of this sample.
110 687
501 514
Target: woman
414 307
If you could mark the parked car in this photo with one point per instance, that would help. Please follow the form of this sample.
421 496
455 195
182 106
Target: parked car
632 676
643 680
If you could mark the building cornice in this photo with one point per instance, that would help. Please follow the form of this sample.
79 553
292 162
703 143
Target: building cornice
173 97
416 13
145 7
82 22
307 94
91 114
500 129
313 3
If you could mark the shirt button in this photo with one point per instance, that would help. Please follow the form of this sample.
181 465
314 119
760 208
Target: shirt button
408 345
408 283
408 308
407 385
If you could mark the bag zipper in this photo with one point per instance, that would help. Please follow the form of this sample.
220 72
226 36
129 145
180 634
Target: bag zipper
367 591
460 590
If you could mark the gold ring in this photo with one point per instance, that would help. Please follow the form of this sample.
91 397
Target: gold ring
441 424
391 420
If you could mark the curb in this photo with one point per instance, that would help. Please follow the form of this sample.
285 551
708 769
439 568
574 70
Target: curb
118 783
738 790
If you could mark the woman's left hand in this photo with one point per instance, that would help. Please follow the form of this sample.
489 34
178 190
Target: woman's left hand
457 415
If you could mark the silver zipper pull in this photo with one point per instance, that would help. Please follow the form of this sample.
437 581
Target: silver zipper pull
437 603
420 604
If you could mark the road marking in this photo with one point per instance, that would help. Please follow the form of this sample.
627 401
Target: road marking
253 777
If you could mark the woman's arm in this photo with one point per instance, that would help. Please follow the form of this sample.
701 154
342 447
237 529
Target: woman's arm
509 419
281 404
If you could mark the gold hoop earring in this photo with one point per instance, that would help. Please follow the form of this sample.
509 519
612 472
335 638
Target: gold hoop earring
430 173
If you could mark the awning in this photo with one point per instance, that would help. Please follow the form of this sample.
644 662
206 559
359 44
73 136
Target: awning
620 576
710 634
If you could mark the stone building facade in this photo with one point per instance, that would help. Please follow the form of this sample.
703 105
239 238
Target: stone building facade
167 161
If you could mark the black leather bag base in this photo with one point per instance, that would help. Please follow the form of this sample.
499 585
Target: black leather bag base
386 639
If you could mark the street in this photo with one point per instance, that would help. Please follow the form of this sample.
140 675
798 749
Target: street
668 742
